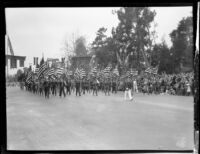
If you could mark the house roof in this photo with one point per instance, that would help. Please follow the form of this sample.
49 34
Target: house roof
17 57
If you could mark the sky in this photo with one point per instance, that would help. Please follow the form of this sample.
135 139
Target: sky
37 31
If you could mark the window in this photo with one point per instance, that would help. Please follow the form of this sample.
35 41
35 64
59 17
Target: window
21 63
13 63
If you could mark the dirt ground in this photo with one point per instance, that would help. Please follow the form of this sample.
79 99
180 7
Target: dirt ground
150 122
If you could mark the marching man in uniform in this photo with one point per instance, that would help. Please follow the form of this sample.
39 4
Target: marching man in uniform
95 86
135 88
78 86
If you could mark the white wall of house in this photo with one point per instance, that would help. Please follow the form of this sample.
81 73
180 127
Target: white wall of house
12 71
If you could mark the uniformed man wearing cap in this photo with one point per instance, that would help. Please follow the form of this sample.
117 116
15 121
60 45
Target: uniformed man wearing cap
69 86
61 87
78 86
95 86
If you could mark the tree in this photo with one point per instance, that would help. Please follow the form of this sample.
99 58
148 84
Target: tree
80 46
100 39
20 75
69 47
165 60
182 43
104 48
133 35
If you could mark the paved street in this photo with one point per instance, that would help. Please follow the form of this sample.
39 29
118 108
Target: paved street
98 122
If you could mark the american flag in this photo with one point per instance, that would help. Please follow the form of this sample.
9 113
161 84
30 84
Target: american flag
154 70
60 71
134 72
82 73
107 69
53 76
148 70
123 76
77 73
45 73
51 71
116 72
106 72
42 68
29 77
94 71
128 74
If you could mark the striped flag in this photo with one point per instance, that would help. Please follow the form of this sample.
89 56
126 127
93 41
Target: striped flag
148 70
42 68
116 72
53 76
29 77
106 72
94 71
77 73
107 69
82 73
60 71
128 74
134 72
154 70
51 72
46 72
123 76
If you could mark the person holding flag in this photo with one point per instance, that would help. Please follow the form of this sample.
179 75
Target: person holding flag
61 86
135 88
78 86
68 86
46 88
95 86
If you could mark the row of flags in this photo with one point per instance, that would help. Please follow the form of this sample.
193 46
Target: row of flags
44 71
152 70
80 73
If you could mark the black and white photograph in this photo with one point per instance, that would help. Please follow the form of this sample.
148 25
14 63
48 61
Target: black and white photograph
99 78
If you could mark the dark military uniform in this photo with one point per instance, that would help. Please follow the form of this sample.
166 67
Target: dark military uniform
78 86
54 87
107 87
46 89
87 85
114 87
83 86
69 87
95 87
90 86
61 86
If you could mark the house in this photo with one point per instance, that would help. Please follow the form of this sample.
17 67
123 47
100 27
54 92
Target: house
13 63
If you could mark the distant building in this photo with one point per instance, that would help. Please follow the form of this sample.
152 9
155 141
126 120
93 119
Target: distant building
52 61
13 63
81 62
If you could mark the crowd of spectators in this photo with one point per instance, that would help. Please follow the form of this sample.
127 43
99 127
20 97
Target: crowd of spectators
172 84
